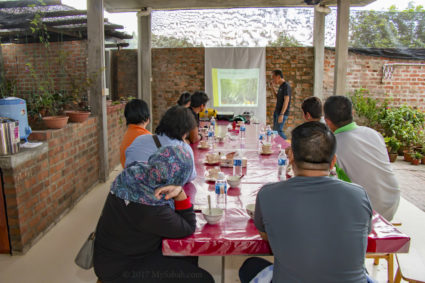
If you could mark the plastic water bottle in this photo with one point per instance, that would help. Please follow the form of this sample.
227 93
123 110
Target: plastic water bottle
211 136
237 164
282 163
269 133
242 130
221 184
212 121
261 138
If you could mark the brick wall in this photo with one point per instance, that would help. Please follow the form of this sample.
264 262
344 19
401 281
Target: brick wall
407 85
297 65
175 70
124 73
182 69
67 62
40 190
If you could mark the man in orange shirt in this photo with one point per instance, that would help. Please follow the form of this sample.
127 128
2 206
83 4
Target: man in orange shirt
136 113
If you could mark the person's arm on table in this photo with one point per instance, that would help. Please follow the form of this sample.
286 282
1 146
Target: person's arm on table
258 220
169 223
194 135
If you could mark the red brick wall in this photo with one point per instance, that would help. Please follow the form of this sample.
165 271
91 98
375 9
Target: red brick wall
182 69
407 85
124 73
175 70
16 56
41 190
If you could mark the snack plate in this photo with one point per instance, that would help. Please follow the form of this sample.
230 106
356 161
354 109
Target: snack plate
203 147
210 179
211 164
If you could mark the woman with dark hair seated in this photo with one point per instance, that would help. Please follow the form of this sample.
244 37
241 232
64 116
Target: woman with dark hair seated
136 113
146 204
173 128
184 99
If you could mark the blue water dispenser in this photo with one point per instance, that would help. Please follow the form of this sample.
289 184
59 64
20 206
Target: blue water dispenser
16 108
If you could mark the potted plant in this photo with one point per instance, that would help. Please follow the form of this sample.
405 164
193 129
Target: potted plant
393 144
416 158
54 118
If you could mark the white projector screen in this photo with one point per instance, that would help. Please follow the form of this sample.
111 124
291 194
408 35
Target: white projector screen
235 80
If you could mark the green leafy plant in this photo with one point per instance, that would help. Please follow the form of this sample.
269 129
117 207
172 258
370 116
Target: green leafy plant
8 88
366 107
393 144
403 122
417 155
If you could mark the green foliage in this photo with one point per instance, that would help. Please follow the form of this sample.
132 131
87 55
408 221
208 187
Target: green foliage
402 124
388 29
160 41
366 107
393 144
8 88
417 155
284 40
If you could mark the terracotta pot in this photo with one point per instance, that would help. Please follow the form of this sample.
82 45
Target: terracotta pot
415 161
55 122
407 156
423 160
392 156
77 116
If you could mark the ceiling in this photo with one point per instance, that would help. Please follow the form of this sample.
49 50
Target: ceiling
137 5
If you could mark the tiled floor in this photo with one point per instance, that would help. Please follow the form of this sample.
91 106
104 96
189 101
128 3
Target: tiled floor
51 259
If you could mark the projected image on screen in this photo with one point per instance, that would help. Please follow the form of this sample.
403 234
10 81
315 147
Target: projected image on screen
235 87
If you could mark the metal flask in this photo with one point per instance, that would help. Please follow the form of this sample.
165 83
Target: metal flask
9 136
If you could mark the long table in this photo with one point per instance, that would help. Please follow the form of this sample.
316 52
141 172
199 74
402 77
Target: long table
236 233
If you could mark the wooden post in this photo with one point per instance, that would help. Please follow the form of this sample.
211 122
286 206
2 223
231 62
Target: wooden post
341 47
144 59
96 70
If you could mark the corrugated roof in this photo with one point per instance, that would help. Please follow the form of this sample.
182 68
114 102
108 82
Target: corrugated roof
62 22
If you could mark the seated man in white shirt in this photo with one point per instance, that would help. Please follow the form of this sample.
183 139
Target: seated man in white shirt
362 157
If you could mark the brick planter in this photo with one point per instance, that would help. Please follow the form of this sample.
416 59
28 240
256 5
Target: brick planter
43 183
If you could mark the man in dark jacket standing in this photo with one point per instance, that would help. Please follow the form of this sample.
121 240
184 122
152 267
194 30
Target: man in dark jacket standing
283 102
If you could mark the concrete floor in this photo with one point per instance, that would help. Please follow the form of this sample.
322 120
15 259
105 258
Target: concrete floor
51 259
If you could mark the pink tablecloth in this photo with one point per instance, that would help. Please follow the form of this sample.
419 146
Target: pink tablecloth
236 233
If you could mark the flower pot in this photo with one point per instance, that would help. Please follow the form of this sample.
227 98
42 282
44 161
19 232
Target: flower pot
407 156
392 156
55 122
415 161
423 160
77 116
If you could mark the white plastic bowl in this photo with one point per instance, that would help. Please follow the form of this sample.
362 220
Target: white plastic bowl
234 181
250 209
214 217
